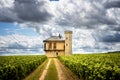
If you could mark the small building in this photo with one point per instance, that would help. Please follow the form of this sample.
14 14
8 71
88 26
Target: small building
58 46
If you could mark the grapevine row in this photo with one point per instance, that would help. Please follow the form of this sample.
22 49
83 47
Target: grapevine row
94 66
17 67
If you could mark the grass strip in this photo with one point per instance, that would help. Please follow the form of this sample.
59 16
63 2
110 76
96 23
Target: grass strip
37 72
52 72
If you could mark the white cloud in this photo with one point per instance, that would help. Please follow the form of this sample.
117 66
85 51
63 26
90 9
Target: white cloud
21 43
90 22
6 3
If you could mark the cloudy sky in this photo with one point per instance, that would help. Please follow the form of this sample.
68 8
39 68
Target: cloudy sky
24 24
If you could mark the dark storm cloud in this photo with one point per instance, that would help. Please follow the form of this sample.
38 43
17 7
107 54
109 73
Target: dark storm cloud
111 38
25 10
113 4
95 14
31 10
101 16
96 48
100 19
8 15
114 27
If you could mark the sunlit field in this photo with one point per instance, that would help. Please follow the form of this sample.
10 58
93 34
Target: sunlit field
85 66
17 67
94 66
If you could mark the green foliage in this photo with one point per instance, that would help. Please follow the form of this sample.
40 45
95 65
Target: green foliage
17 67
94 66
35 75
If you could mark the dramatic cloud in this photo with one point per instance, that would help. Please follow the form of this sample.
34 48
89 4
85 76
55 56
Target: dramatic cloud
31 10
111 38
85 14
24 10
19 43
113 4
95 23
82 14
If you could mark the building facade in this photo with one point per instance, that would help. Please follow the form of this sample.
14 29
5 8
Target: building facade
58 46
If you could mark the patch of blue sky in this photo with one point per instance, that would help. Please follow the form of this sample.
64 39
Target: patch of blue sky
11 28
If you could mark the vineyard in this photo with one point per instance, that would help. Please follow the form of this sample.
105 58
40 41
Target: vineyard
94 66
85 66
17 67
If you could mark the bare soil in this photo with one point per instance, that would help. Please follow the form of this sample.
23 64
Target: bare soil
45 71
63 72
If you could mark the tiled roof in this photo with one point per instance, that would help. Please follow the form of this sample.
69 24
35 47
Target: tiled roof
55 38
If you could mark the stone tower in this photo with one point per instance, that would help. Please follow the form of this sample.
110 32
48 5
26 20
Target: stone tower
68 42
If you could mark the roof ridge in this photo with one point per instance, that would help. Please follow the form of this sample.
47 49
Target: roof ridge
55 38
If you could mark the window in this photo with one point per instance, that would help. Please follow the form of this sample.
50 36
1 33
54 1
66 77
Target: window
57 53
50 45
54 45
44 46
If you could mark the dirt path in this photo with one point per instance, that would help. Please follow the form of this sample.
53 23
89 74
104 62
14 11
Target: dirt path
45 71
63 72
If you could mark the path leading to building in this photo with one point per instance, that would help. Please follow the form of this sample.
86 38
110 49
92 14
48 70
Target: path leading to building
45 70
63 72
